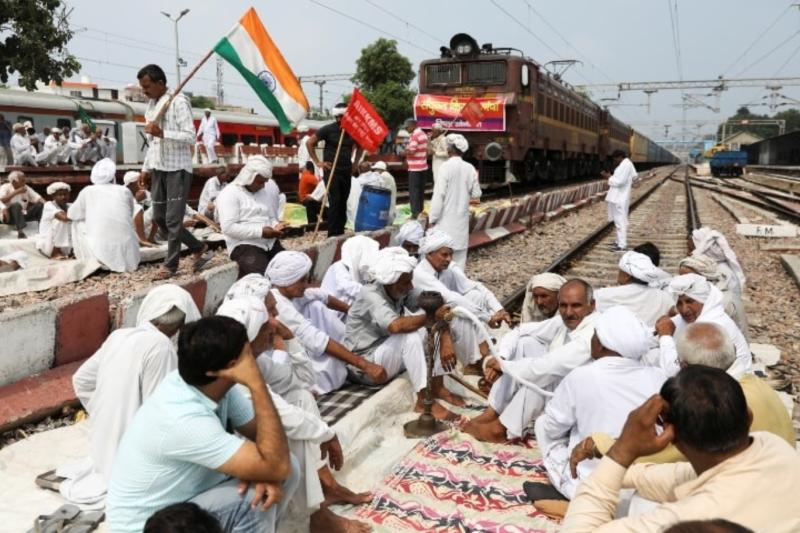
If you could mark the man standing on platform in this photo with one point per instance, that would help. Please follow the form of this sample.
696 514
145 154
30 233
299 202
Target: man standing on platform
169 160
619 196
339 188
417 161
209 132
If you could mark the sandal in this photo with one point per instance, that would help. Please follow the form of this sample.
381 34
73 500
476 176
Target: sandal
49 480
85 523
201 261
55 522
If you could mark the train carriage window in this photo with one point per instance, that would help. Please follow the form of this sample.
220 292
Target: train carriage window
540 104
23 118
487 72
63 123
229 139
248 138
290 141
265 139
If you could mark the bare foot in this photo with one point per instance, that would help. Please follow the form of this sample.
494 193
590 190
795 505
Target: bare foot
443 393
164 273
555 509
21 235
488 415
438 411
325 521
486 432
336 493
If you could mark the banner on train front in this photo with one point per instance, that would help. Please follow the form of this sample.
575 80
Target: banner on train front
449 110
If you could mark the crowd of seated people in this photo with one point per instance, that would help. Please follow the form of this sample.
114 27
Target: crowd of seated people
81 145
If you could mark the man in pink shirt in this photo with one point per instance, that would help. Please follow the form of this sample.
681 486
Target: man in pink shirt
417 161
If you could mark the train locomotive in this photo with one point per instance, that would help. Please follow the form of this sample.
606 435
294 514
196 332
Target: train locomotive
530 125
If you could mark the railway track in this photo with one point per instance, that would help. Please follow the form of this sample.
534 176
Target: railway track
780 203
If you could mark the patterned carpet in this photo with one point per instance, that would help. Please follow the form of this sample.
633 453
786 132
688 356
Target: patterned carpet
451 482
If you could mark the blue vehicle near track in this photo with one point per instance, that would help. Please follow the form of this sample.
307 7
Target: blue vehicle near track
728 163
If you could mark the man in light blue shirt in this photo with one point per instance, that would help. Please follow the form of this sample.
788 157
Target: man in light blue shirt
177 448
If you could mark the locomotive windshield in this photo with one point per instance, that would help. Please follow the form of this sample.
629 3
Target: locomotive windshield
486 73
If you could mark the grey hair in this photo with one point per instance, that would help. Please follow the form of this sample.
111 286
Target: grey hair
704 343
171 319
583 283
14 175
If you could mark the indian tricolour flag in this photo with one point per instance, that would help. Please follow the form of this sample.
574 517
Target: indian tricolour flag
251 51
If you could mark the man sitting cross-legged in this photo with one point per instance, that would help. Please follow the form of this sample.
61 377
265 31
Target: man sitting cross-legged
178 448
118 378
531 361
380 330
311 440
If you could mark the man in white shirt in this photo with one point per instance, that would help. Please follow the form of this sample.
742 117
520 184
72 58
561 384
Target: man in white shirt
55 229
208 132
531 360
541 297
618 197
56 147
594 397
23 153
249 218
345 278
455 188
409 237
23 203
211 189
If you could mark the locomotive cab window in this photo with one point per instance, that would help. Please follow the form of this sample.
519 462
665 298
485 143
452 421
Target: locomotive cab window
443 74
487 72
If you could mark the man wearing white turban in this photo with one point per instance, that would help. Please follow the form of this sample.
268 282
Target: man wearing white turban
118 378
106 233
698 301
309 313
639 289
714 244
541 297
208 132
436 272
380 330
531 360
594 397
409 237
311 440
22 204
345 278
710 269
249 216
455 188
55 239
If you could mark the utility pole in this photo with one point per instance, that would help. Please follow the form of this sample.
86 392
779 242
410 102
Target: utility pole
220 89
178 60
320 81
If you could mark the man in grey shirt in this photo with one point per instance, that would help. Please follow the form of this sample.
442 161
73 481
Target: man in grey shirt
380 330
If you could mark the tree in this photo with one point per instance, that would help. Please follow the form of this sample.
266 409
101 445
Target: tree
201 102
36 33
383 74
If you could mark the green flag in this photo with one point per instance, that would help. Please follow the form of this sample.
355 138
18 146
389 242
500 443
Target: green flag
86 119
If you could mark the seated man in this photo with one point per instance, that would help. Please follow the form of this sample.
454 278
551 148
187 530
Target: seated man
700 301
379 330
248 211
296 302
114 382
752 480
23 203
310 438
638 289
703 343
107 235
56 148
23 152
178 449
409 236
211 189
541 297
55 232
594 397
714 244
435 272
345 278
531 361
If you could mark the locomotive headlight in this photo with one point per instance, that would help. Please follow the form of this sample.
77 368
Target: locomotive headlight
493 151
463 50
463 45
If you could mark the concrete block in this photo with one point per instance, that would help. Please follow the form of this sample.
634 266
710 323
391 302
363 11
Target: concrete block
28 341
81 327
792 265
218 281
325 254
197 288
128 308
766 230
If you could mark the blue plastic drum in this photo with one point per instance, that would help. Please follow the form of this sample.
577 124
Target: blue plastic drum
373 208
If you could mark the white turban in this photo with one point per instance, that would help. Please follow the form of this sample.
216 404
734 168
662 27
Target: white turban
104 172
620 331
249 311
411 231
20 257
288 267
694 286
703 265
57 186
547 280
390 264
131 176
642 268
161 299
338 111
435 239
257 165
250 285
379 165
714 244
458 141
357 251
207 110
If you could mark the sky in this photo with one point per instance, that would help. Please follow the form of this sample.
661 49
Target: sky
616 41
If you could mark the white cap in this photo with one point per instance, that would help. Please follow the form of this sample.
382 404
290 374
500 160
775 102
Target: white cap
379 165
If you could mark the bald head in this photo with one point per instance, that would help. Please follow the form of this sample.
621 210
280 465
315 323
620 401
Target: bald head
704 343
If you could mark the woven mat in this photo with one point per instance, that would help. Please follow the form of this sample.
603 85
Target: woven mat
451 482
334 405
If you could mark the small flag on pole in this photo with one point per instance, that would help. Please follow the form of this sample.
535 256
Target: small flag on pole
86 119
250 50
363 123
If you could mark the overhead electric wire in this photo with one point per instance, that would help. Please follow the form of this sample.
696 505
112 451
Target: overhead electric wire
760 59
676 45
434 38
758 38
783 66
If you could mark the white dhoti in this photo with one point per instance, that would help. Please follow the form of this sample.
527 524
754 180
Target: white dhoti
618 214
405 351
211 142
331 373
307 451
59 236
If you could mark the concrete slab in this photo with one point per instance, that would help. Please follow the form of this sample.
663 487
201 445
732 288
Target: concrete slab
28 341
766 230
792 265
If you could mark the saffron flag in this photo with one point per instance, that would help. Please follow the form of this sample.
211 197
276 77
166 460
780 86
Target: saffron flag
250 50
363 123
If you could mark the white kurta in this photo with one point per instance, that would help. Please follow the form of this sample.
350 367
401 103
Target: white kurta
211 189
111 385
57 148
22 150
595 397
321 316
456 185
53 233
647 303
210 132
108 233
619 198
340 283
438 147
243 215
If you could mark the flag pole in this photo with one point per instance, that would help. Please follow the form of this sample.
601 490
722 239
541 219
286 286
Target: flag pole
328 186
180 87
